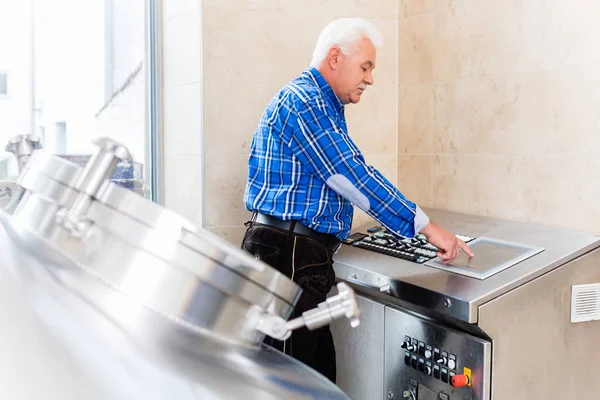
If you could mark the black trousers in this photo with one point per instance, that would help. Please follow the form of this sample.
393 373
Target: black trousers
309 263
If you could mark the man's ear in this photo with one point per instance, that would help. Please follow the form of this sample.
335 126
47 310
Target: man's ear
333 57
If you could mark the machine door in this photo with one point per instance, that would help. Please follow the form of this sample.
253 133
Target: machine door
359 352
425 360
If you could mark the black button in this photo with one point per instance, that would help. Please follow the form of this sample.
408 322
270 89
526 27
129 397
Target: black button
436 372
421 348
444 375
407 358
414 362
421 365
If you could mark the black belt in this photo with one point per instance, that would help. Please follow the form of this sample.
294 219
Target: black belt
328 240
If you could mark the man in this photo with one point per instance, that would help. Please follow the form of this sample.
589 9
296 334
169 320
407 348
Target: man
305 174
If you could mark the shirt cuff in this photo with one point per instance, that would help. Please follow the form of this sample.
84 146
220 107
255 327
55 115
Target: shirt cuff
421 220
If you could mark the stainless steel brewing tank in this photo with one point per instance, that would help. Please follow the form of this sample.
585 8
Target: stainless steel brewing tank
513 329
108 295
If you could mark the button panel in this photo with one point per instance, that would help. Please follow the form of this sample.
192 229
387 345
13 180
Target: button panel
416 249
429 360
445 375
462 351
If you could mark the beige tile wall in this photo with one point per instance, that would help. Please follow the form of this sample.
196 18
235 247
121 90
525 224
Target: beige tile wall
252 48
499 108
495 113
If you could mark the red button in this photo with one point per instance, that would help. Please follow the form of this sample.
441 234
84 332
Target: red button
460 380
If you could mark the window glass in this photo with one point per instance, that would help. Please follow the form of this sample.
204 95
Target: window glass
77 71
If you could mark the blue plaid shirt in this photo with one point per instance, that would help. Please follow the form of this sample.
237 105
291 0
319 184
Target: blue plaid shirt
303 166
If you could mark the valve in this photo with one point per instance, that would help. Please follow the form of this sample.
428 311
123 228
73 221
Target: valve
341 305
22 146
96 172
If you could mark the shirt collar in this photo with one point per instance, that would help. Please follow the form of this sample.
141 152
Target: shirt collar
324 86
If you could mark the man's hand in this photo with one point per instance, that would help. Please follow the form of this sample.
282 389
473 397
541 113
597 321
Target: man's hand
448 244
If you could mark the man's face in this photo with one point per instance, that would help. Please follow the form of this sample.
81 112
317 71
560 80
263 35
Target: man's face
355 72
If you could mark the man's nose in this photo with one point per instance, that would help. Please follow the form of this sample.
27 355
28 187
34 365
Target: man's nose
370 79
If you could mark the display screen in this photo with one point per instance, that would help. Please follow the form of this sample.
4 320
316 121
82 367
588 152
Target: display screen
488 255
491 257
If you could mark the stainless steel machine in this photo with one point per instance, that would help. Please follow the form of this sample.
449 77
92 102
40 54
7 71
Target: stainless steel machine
520 320
106 295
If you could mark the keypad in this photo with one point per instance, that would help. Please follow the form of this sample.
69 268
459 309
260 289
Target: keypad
440 365
416 249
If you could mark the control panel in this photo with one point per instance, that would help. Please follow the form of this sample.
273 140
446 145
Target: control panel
416 249
427 360
433 361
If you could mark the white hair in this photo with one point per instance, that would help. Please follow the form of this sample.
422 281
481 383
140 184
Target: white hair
344 33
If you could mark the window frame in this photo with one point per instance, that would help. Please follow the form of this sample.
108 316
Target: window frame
153 71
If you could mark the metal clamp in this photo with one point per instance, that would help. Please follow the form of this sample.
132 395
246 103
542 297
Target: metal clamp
96 172
22 146
341 305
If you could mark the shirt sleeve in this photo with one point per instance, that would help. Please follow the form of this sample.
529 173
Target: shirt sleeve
326 150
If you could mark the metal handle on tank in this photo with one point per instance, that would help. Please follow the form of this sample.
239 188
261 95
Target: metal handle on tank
22 146
341 305
95 174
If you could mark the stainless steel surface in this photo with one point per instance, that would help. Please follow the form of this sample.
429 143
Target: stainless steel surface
170 278
493 256
434 289
22 146
437 348
56 168
119 246
154 216
68 335
116 291
48 188
84 224
61 189
359 352
155 260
